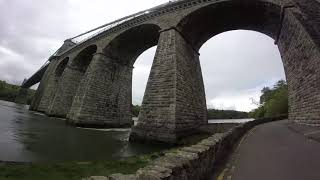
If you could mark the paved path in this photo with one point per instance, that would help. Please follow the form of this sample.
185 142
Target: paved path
278 151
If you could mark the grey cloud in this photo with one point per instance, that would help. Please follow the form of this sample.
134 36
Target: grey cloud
30 29
239 60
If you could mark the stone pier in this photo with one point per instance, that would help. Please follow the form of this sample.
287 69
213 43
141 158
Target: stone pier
174 103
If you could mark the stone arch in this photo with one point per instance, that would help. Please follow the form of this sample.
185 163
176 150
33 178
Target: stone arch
53 81
82 60
126 47
61 67
69 82
109 80
49 84
278 22
261 16
177 105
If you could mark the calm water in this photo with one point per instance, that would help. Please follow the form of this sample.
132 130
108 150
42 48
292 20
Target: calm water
29 136
229 120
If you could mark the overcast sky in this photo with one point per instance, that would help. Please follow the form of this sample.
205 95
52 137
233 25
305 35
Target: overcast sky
235 65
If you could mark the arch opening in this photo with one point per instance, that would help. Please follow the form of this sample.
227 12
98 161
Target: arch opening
295 39
175 97
83 59
141 71
70 80
224 16
61 67
255 17
110 81
129 45
236 65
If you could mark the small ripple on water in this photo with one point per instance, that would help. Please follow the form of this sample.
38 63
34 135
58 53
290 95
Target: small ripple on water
40 114
31 136
108 130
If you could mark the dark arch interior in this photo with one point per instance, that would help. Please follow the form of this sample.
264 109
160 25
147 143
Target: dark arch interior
83 59
126 48
62 65
209 21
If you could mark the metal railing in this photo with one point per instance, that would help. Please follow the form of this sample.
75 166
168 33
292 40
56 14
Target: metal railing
153 12
96 31
84 37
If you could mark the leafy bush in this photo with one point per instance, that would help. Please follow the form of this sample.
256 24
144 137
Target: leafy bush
226 114
273 101
9 92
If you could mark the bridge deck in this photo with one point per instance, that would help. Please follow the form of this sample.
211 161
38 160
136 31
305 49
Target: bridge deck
277 151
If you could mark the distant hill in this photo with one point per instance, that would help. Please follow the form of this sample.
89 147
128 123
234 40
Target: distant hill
212 113
9 92
226 114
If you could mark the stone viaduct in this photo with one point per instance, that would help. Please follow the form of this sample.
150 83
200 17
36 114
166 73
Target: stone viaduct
90 82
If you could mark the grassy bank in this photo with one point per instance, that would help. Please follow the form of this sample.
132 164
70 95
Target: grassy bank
73 170
78 170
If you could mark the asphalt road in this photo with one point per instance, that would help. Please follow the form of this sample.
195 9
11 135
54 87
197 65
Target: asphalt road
278 151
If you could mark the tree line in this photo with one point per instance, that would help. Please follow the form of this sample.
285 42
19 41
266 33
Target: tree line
212 113
226 114
273 101
9 92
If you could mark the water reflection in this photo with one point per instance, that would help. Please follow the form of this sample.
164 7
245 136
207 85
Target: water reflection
212 121
30 136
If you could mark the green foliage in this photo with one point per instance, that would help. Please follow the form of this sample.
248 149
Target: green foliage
212 113
135 110
226 114
273 101
9 92
74 170
30 96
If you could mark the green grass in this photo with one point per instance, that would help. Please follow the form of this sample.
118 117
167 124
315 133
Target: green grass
79 170
74 170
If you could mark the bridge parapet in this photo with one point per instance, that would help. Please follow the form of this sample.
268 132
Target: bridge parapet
81 41
131 21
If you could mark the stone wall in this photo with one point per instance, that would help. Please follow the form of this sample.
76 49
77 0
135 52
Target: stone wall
191 107
217 127
69 82
174 102
45 91
104 97
67 87
301 58
194 162
40 90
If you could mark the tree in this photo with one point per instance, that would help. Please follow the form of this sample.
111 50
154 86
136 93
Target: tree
9 92
135 110
226 114
273 101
